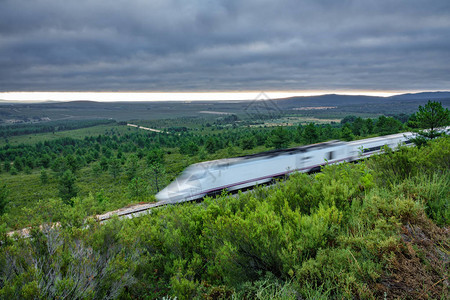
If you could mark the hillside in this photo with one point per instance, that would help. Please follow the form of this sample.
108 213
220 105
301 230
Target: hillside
340 106
368 230
406 103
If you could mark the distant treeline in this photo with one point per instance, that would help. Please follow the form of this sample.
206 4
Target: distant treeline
52 126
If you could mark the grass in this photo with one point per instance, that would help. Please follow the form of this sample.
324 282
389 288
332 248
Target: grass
31 139
25 190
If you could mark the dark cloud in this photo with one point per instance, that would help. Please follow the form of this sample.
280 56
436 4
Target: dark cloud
173 45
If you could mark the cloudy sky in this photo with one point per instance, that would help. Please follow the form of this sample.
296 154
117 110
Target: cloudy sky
242 45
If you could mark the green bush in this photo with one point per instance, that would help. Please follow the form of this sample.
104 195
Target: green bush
432 191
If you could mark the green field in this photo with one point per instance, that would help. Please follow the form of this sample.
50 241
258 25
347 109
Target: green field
76 134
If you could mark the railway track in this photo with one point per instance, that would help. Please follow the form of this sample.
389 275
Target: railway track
128 212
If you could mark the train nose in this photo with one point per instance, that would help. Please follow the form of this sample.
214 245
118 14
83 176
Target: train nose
168 195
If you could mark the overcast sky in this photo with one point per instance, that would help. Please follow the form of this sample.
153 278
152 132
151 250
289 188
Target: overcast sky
199 45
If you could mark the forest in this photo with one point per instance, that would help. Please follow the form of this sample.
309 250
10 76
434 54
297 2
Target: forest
51 126
370 230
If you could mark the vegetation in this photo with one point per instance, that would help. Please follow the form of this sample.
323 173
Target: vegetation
430 117
52 126
350 231
377 229
3 198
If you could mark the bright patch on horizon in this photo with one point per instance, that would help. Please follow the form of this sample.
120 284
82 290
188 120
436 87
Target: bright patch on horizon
179 96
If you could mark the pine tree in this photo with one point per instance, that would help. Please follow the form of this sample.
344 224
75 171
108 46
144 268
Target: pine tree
44 176
67 187
279 138
310 134
431 117
115 168
3 195
132 167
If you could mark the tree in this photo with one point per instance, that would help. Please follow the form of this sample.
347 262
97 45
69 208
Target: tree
71 163
348 119
44 176
212 145
115 167
346 133
231 150
13 170
3 195
248 142
310 134
137 187
155 156
59 165
45 160
132 166
298 135
279 138
387 125
327 132
368 123
7 166
157 175
96 169
431 117
18 164
190 148
67 187
27 170
104 163
358 126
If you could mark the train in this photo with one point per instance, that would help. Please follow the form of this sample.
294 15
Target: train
232 174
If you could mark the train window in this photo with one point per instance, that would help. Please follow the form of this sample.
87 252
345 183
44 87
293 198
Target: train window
184 176
330 155
196 176
371 149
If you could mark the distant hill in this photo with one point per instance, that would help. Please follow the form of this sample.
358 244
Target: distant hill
327 100
350 104
424 95
3 101
330 106
333 99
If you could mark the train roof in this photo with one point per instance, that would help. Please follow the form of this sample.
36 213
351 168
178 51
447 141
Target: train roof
393 136
380 138
269 154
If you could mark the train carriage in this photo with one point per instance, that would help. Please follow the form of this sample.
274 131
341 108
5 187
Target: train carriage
231 174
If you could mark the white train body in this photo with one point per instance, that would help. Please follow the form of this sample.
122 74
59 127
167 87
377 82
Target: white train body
201 179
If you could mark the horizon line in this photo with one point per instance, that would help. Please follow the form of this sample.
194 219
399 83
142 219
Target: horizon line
137 96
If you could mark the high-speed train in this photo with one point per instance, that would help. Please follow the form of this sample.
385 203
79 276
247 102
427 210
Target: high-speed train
210 177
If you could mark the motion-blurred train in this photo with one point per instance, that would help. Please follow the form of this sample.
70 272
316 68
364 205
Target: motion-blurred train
231 174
